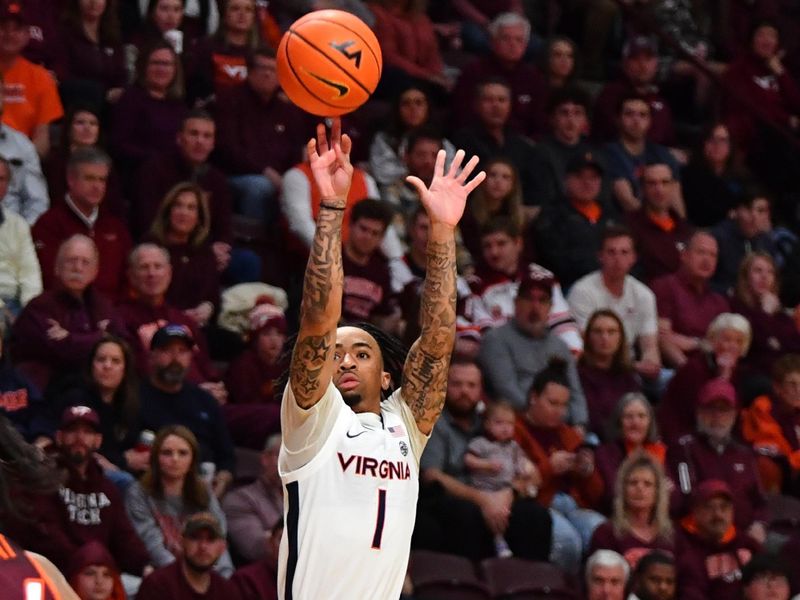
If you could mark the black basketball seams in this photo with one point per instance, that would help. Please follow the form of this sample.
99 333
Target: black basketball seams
378 61
329 59
300 79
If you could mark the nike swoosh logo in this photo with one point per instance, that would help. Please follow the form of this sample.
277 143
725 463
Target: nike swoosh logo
356 435
340 88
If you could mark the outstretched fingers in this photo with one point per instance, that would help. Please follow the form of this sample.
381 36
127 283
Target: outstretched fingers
311 150
322 139
468 168
454 166
418 184
438 169
476 181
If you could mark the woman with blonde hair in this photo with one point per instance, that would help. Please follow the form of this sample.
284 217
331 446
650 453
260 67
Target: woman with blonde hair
757 298
170 491
640 521
182 226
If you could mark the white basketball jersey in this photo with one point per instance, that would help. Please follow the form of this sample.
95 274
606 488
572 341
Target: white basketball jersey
350 509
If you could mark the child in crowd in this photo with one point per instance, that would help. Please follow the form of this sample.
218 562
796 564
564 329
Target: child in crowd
496 461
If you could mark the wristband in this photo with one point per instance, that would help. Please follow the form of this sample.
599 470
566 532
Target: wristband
331 206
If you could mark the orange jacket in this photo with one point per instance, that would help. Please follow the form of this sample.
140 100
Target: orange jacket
762 431
586 490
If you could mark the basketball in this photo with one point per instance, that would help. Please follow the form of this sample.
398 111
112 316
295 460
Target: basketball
329 62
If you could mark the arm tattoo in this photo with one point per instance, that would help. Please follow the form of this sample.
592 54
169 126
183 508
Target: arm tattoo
425 371
319 312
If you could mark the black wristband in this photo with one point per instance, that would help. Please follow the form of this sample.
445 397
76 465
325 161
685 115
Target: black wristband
331 206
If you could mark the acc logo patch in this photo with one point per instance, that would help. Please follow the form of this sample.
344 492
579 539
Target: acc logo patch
403 448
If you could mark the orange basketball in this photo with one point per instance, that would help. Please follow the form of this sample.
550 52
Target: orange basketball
329 62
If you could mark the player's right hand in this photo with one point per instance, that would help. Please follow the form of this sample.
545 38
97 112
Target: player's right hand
330 163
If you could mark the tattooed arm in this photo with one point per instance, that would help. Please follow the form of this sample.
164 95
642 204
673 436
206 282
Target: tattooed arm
425 371
312 358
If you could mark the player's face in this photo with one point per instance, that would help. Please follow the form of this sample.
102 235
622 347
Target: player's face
95 582
201 550
359 373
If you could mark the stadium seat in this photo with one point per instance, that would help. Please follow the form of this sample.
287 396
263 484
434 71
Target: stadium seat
438 576
518 579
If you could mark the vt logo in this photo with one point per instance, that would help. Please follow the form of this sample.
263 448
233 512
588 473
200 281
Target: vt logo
343 48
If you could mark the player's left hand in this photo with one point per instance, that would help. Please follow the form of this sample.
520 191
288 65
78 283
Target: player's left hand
446 197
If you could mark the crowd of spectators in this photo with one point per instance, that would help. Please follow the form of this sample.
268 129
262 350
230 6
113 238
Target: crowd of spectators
624 396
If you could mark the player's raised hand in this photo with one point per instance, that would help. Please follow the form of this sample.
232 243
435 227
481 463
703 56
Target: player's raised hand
446 197
330 162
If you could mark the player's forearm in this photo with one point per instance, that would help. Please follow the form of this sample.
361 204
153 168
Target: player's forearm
322 286
438 302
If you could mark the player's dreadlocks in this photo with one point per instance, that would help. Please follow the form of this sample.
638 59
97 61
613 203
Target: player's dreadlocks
23 467
393 352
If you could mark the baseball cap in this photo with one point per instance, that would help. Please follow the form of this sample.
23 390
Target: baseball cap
536 277
717 390
266 314
200 521
79 414
13 10
170 332
639 44
711 488
585 160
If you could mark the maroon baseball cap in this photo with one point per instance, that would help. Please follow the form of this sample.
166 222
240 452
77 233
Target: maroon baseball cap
536 277
711 488
639 44
13 10
79 414
717 390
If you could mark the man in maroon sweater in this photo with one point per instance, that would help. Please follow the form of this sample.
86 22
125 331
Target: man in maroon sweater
712 453
528 86
82 212
55 332
639 70
261 136
146 311
710 550
685 301
192 576
87 507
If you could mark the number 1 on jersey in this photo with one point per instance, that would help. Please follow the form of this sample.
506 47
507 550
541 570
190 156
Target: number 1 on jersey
376 538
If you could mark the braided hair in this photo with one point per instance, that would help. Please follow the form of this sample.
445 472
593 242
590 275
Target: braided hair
393 355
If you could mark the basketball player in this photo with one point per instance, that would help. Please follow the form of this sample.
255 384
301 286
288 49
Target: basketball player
357 413
25 575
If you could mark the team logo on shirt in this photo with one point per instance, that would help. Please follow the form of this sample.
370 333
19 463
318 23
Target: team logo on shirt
403 448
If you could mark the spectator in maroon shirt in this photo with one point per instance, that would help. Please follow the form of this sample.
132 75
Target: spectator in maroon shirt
260 137
82 212
510 34
711 453
640 521
259 581
147 310
639 71
253 411
56 331
95 58
148 115
192 575
658 227
367 282
219 62
686 303
81 129
167 19
757 298
182 226
632 428
605 369
711 550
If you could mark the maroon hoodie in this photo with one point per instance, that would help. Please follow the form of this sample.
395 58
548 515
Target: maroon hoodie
84 510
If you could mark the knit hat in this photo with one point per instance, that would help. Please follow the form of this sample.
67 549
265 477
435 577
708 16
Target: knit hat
266 314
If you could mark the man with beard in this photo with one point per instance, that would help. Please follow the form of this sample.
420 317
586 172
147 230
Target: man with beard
167 398
654 577
88 507
710 549
192 576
